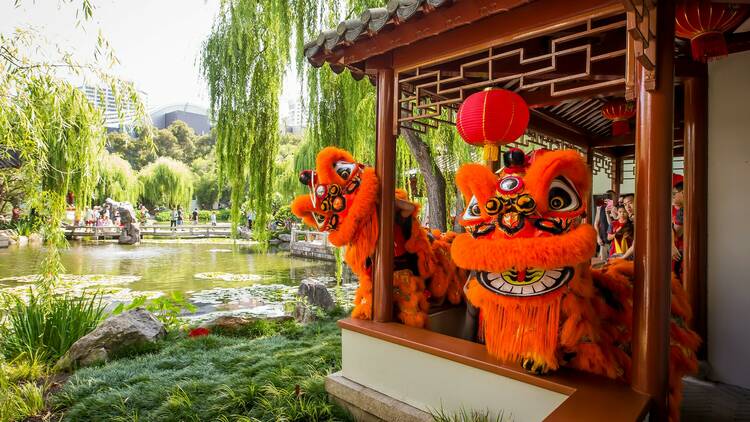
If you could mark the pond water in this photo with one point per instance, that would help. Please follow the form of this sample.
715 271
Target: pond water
216 277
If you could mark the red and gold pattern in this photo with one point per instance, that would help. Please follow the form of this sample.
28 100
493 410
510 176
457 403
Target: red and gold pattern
540 303
343 201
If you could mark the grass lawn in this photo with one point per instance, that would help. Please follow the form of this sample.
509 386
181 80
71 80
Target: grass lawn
272 372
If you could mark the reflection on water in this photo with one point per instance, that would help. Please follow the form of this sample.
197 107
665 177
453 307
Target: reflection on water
214 277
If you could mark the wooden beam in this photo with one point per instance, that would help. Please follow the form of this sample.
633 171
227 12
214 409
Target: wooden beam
430 25
738 42
651 292
542 97
514 25
385 168
629 139
696 204
554 128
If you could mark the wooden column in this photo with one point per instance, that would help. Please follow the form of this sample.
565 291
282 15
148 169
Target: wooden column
590 199
696 193
385 167
653 155
617 177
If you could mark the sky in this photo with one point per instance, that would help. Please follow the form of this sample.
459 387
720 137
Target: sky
157 42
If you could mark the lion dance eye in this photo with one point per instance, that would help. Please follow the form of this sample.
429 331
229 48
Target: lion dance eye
562 196
472 210
344 169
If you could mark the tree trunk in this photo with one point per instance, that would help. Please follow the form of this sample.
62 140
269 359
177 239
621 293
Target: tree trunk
433 178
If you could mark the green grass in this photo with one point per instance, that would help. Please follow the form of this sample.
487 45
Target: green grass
215 378
20 396
44 327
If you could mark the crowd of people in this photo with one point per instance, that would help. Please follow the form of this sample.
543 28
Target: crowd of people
107 215
614 220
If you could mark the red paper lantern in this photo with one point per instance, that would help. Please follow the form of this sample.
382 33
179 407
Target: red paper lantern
619 111
704 23
492 117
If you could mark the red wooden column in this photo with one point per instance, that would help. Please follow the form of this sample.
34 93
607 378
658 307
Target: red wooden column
696 193
590 199
653 155
617 177
385 167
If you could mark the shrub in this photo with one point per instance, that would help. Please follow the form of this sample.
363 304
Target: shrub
47 325
19 400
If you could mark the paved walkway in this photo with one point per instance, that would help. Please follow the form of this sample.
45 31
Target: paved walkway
707 401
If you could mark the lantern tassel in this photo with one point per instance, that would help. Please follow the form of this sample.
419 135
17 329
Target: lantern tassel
709 46
490 152
620 127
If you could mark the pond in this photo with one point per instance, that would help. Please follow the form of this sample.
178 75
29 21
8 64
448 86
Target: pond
214 276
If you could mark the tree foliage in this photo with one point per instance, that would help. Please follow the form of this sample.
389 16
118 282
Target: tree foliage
117 180
166 182
243 61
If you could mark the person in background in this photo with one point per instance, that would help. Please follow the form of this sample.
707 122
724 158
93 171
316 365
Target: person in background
678 221
602 221
15 214
179 215
195 216
620 234
250 218
173 219
213 218
628 201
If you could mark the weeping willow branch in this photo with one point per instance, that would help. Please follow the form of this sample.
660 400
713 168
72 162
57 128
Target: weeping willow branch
243 62
167 182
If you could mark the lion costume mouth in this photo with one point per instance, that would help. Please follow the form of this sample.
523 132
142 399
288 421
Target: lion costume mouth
526 282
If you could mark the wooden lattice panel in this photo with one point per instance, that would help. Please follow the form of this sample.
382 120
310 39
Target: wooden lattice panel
567 62
603 163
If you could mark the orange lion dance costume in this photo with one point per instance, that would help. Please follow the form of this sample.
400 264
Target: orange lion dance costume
539 301
342 201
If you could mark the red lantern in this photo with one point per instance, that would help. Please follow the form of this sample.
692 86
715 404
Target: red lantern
492 117
704 23
619 111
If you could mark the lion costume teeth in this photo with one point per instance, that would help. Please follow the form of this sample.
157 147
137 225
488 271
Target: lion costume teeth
539 302
342 201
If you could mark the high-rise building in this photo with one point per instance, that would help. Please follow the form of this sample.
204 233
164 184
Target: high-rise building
104 98
295 119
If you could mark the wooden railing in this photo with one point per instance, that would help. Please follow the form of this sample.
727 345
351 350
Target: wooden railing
156 230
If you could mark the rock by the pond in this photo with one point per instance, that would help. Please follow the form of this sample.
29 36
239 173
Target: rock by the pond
274 242
284 246
316 294
285 237
4 241
35 238
128 331
228 324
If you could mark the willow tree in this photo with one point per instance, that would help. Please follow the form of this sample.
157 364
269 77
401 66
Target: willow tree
243 61
117 180
167 182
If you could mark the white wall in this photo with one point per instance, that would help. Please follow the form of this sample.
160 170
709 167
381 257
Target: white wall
728 221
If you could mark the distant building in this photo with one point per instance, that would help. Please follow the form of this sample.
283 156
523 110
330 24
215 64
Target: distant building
195 116
104 99
295 120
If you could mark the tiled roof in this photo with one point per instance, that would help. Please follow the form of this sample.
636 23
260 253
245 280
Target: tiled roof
370 22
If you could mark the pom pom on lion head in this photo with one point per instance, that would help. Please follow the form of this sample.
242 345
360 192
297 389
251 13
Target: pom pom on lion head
343 193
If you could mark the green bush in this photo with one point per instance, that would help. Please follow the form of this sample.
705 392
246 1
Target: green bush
24 226
47 325
19 399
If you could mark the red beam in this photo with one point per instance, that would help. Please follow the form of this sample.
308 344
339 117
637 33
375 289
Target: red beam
518 24
554 128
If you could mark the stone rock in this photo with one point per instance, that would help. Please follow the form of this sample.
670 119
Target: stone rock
284 246
4 241
130 235
303 313
35 238
127 331
274 242
285 237
23 240
316 294
228 324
